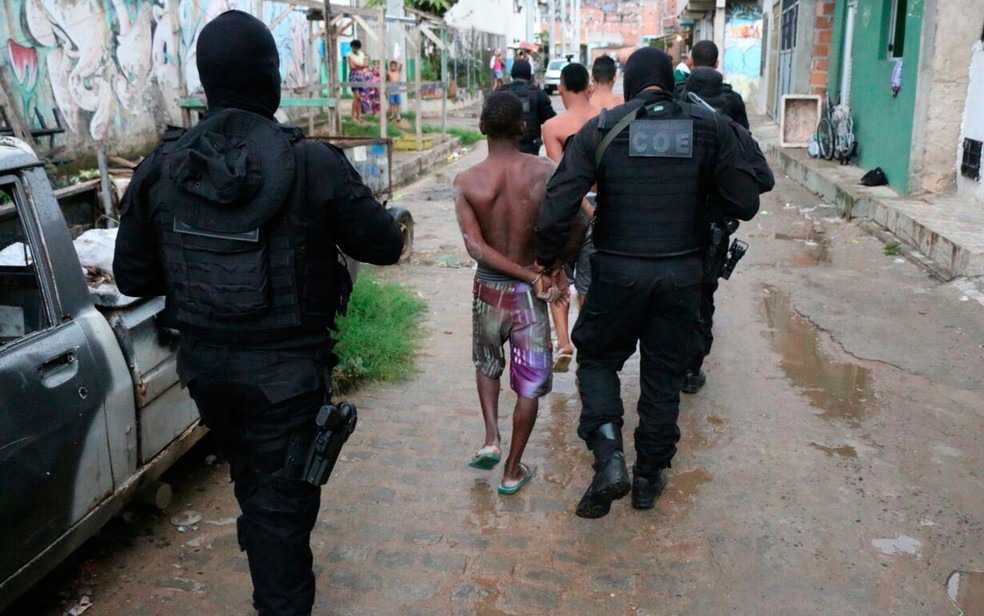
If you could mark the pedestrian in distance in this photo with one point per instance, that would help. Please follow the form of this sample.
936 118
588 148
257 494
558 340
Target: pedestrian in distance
536 106
358 64
498 67
556 131
655 161
238 222
496 204
603 75
394 76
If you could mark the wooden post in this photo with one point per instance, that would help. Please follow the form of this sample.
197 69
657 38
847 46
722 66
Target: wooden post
17 122
175 17
107 199
417 105
334 113
447 84
383 66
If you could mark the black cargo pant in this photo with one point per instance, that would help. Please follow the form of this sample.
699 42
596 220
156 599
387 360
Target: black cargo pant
278 513
705 331
652 302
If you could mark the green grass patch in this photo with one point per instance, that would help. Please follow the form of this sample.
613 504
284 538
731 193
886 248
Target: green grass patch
893 249
466 135
368 129
378 337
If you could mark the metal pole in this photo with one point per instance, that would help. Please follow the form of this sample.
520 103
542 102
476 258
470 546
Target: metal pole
552 25
577 30
563 28
107 200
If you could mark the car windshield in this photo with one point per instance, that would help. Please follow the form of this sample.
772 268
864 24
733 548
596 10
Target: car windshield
556 65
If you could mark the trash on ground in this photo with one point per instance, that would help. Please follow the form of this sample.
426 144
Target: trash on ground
186 518
83 604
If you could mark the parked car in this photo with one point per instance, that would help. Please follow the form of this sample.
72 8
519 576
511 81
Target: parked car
551 78
91 410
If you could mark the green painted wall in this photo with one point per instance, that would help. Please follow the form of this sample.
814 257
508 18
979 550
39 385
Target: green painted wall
882 123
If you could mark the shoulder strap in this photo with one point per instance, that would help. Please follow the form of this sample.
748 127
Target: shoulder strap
613 133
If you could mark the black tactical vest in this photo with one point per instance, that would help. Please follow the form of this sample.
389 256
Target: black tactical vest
268 283
531 141
653 181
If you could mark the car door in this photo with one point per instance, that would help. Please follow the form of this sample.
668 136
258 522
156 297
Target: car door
52 430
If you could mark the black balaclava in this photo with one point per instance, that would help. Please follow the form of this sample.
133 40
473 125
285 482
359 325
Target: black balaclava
521 69
646 67
238 64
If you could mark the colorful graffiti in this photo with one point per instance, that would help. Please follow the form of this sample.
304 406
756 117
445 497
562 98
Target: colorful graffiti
743 48
110 67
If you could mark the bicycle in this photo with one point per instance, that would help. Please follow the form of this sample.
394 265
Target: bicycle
835 133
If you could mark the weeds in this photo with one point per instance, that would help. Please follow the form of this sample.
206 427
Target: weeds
378 337
893 249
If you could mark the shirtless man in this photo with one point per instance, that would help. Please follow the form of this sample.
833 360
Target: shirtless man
603 77
496 205
574 92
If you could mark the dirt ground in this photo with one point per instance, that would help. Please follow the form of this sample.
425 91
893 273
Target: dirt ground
832 464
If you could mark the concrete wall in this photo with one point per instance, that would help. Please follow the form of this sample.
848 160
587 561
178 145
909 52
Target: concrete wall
883 123
492 16
973 120
110 67
951 28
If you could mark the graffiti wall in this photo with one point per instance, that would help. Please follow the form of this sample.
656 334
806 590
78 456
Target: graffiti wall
108 69
742 58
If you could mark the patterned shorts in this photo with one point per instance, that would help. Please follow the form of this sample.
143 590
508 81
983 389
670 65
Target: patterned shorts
508 311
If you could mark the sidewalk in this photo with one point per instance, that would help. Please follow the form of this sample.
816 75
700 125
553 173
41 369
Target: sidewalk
946 229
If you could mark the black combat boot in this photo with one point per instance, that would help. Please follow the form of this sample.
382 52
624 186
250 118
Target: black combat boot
611 479
645 491
693 381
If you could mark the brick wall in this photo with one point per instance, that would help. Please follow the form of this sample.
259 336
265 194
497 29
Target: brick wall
823 35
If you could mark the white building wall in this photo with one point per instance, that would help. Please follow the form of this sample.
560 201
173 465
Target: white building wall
973 121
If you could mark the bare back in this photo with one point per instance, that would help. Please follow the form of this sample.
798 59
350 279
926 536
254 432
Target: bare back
498 199
558 129
604 98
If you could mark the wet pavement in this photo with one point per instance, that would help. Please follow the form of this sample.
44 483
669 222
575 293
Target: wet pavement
832 464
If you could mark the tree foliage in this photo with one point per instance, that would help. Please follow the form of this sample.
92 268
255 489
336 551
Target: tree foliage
435 7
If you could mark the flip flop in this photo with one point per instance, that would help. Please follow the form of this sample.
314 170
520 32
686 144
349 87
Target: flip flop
527 475
562 361
485 458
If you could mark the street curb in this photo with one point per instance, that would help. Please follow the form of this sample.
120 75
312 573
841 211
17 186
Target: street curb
944 228
408 171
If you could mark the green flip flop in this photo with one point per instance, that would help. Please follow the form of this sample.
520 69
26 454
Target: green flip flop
527 475
485 459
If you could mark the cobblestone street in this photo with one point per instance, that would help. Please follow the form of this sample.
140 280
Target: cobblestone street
801 484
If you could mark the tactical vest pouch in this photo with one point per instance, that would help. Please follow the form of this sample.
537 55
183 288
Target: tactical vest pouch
225 275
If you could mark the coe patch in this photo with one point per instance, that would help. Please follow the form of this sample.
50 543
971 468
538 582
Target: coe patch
661 139
526 104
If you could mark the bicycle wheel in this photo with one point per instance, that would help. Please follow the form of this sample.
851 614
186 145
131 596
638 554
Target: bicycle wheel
825 138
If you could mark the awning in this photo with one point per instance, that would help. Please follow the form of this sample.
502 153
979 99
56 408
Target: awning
532 47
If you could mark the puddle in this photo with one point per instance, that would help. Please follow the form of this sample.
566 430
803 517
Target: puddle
842 391
683 487
903 544
844 451
966 590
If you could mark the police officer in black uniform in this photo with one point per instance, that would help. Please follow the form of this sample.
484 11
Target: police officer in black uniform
707 82
537 108
655 161
238 222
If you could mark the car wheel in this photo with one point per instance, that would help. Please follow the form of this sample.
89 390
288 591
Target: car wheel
405 220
